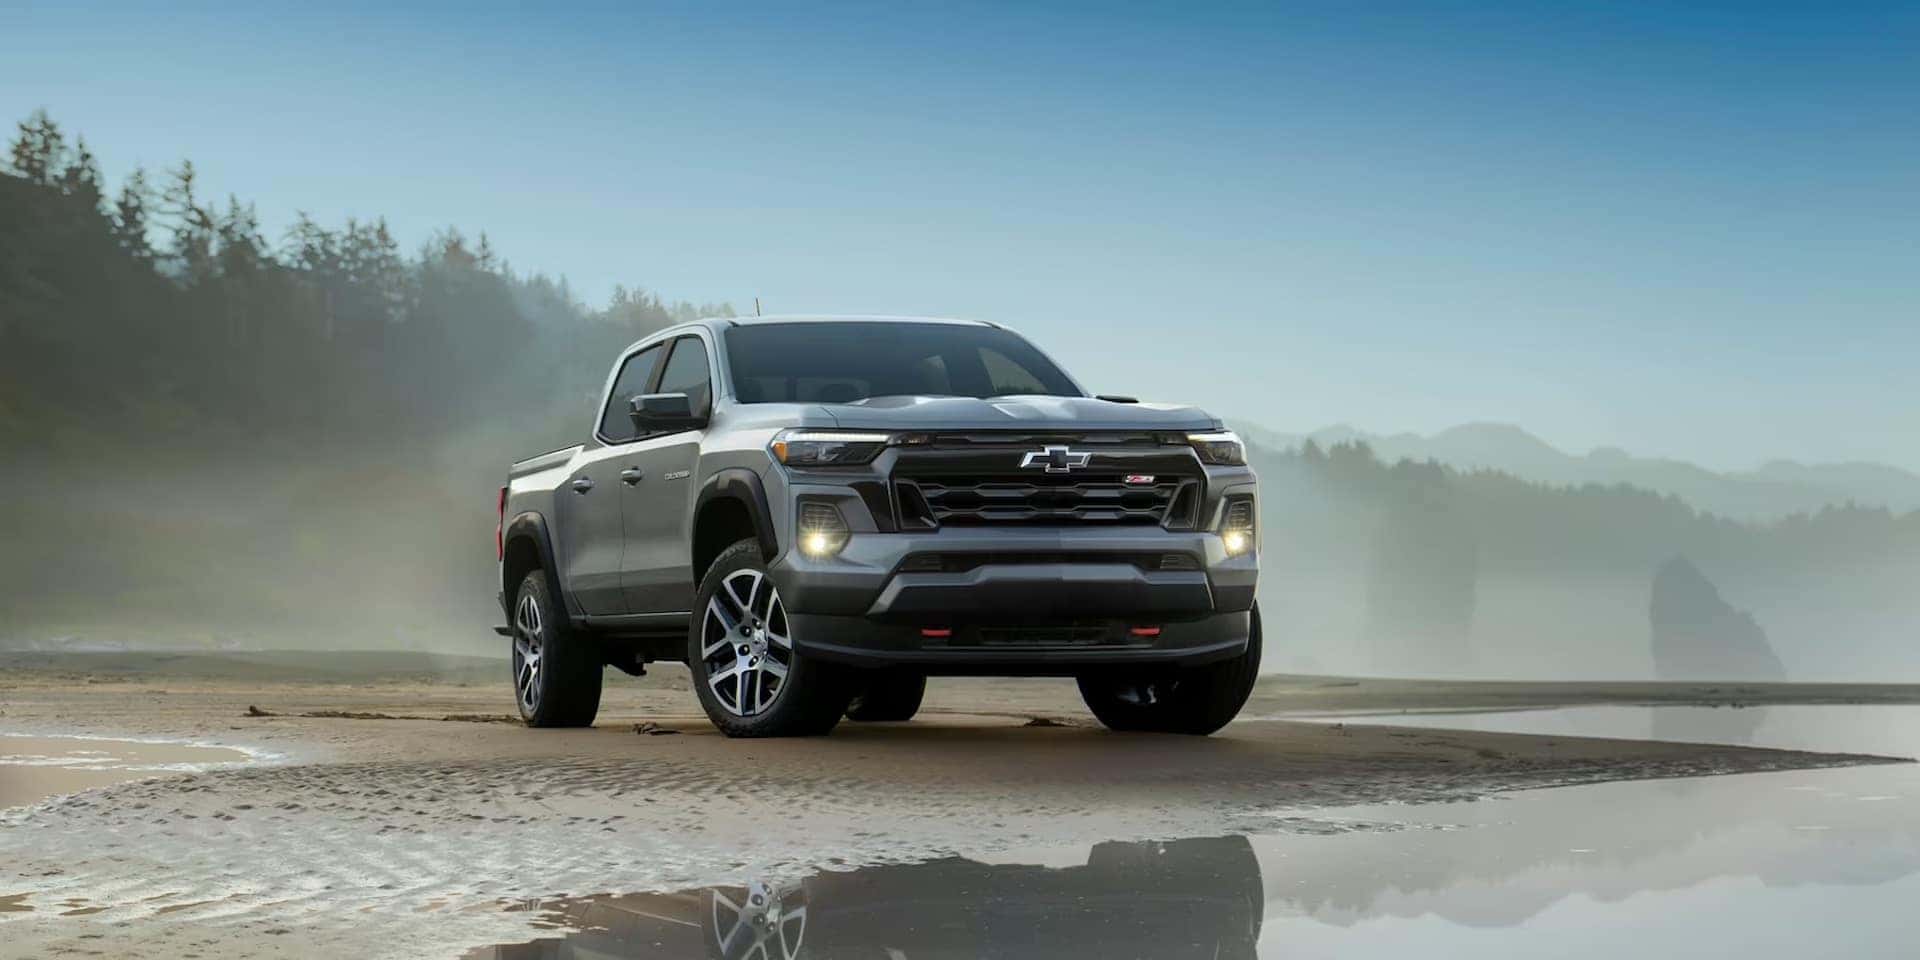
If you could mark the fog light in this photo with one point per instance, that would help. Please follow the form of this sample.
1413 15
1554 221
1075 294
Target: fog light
1236 527
823 532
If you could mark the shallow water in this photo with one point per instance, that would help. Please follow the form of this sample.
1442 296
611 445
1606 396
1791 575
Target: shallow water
1818 863
1884 730
33 768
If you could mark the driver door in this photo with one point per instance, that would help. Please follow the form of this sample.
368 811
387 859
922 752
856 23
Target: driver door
587 505
659 490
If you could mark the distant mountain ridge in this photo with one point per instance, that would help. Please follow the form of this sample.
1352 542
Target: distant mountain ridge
1776 489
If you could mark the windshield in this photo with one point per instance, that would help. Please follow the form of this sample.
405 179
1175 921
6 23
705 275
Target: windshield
844 362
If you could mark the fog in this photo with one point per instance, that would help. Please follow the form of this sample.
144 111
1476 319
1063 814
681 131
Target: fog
213 439
1423 570
327 543
320 545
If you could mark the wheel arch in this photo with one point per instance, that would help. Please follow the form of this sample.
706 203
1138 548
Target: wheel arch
526 544
731 506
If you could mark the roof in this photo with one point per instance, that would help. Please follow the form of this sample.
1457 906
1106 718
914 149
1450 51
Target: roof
828 318
718 324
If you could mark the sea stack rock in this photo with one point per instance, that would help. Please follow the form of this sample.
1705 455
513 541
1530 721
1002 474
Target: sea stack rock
1698 636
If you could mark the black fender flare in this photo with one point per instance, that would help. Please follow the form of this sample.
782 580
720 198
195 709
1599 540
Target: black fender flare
742 484
531 526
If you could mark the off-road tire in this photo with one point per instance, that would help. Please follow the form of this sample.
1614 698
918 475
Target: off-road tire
1191 700
566 685
813 695
888 696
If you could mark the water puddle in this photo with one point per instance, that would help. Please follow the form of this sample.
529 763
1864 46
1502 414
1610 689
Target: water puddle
1884 730
1714 866
34 768
1184 898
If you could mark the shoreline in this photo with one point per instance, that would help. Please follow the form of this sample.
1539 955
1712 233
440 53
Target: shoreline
396 811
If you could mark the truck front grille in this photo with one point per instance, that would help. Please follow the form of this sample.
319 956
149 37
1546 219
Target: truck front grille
938 501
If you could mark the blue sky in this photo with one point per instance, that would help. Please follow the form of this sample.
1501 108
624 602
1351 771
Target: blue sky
1686 230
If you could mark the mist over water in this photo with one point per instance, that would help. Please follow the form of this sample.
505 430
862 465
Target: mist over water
1417 569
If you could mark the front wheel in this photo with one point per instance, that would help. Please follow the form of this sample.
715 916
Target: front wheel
750 679
1191 700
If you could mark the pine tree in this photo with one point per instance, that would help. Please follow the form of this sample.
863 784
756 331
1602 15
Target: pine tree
311 248
242 249
130 216
193 226
39 152
81 178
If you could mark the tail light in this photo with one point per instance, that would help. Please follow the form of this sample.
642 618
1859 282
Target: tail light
500 529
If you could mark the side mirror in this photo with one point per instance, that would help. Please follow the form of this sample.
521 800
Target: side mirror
664 412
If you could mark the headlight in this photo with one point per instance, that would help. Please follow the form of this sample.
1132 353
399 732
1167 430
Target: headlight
826 448
823 531
1237 526
1223 448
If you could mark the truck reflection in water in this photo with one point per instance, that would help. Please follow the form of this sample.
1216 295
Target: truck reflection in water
1185 898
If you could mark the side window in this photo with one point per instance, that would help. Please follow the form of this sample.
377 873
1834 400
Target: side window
686 373
615 425
1008 377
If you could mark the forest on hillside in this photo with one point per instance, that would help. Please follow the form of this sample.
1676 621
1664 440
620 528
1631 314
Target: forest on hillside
117 307
230 438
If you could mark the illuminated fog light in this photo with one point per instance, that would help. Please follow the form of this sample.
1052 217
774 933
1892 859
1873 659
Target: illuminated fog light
1236 526
823 532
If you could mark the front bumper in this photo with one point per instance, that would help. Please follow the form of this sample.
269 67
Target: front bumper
1027 602
1031 650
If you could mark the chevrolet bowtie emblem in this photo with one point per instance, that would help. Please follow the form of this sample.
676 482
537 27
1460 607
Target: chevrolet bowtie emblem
1054 459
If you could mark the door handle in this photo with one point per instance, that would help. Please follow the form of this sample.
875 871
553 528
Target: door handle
582 484
631 476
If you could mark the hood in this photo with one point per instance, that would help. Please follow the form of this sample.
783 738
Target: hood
1015 413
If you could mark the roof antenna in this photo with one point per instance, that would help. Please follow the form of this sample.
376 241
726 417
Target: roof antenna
756 306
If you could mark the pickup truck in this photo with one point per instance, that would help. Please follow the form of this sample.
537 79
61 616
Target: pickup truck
815 514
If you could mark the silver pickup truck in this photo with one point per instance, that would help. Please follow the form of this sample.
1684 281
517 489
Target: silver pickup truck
815 514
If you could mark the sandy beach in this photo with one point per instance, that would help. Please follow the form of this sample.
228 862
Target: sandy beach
385 805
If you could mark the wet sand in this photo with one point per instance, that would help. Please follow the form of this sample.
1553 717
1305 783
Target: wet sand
33 769
402 836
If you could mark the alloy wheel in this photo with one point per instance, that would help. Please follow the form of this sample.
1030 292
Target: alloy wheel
769 925
527 648
745 644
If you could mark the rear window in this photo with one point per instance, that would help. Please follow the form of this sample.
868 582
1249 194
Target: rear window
844 362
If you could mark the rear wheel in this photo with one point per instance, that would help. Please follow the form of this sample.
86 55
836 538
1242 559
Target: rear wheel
556 673
750 679
1191 700
888 695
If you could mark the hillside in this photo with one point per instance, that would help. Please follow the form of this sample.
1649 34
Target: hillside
1776 489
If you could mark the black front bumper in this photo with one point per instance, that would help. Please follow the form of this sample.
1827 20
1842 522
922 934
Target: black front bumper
1036 602
1027 649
